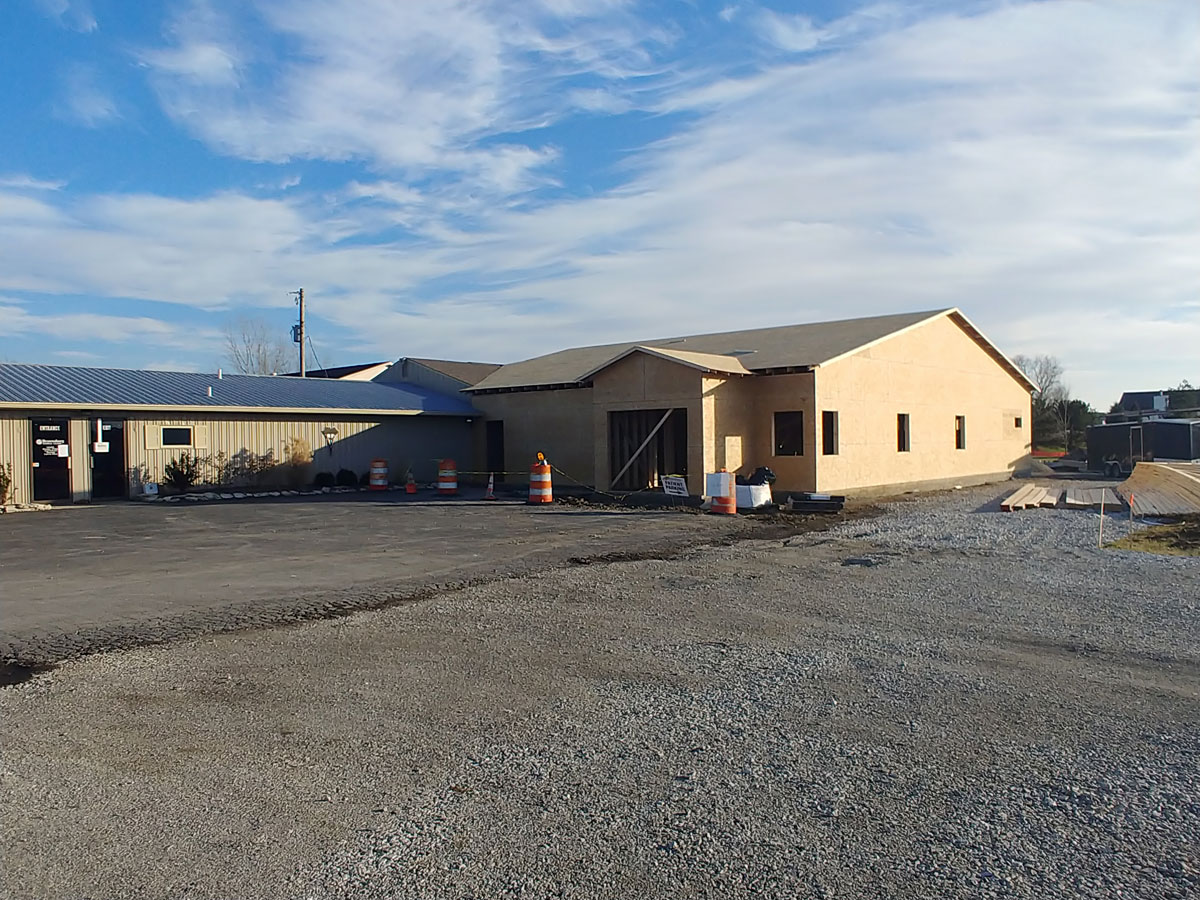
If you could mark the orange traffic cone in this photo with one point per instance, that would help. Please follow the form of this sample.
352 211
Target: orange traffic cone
491 491
410 487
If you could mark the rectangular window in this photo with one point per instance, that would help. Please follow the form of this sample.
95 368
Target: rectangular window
903 444
829 432
177 436
960 432
1017 422
789 434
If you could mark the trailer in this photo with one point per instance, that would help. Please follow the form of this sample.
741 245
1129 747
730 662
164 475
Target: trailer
1115 447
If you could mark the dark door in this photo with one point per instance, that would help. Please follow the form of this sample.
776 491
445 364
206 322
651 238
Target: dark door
495 448
1137 448
51 460
108 460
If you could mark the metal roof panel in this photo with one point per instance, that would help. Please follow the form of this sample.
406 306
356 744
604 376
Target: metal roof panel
132 388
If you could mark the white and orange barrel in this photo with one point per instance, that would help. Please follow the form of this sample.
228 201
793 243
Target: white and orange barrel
725 502
447 477
378 480
540 488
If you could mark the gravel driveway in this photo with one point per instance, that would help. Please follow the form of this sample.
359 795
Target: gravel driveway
944 701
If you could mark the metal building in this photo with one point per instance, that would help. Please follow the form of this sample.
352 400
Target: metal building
74 434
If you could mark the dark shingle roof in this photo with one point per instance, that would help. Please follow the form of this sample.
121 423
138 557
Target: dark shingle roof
468 373
131 388
757 349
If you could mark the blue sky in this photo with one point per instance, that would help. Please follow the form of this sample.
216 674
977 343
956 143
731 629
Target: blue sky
494 180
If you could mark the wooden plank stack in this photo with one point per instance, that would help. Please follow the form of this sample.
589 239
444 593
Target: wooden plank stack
1163 489
1091 498
1031 496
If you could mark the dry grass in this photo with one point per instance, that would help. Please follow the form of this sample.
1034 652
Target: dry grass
1180 538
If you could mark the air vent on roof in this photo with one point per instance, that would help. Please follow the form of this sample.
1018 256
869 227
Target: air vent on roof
740 352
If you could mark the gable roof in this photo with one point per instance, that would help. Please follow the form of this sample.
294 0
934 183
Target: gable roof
37 386
343 371
468 373
705 362
759 350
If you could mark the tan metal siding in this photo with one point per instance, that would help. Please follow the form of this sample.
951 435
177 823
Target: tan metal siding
415 441
15 439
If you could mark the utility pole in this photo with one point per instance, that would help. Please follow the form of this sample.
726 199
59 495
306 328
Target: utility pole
298 330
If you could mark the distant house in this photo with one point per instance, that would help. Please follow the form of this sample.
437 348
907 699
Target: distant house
360 372
1149 403
917 400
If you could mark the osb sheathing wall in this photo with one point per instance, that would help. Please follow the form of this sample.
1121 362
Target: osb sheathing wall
642 381
555 422
934 373
15 440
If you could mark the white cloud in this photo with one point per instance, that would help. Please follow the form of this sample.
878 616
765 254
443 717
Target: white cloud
1036 164
788 32
22 182
83 101
74 14
17 319
411 86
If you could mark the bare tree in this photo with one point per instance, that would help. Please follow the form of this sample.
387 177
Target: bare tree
1051 401
253 348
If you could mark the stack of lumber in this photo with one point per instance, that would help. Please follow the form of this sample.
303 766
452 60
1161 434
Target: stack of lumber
1031 496
1163 489
1092 498
815 503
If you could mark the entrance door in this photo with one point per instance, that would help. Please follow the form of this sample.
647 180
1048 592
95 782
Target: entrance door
644 444
1137 447
108 460
51 460
495 448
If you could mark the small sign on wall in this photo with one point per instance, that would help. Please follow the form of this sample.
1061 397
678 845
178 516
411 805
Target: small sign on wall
675 485
100 446
64 451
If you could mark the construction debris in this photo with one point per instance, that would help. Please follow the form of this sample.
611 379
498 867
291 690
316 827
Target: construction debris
815 503
1163 489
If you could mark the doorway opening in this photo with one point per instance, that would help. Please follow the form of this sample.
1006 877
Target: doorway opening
108 460
644 444
51 455
494 433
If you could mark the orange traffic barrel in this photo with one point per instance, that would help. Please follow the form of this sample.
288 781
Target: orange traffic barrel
726 504
540 488
447 477
379 475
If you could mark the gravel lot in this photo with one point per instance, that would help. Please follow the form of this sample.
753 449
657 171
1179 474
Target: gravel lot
944 701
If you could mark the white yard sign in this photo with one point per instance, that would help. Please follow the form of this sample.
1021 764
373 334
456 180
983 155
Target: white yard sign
675 485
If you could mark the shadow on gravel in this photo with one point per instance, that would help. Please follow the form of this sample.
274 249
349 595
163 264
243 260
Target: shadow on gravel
16 673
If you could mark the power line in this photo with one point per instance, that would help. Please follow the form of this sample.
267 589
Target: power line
316 358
